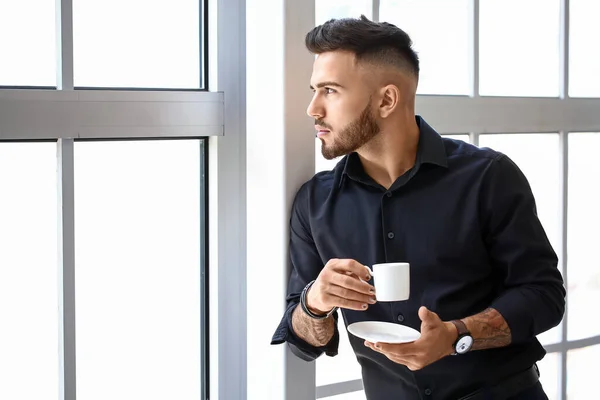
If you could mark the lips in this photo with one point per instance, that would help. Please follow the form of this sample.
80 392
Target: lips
321 130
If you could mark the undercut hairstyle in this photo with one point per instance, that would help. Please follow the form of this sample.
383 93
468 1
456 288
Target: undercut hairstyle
377 42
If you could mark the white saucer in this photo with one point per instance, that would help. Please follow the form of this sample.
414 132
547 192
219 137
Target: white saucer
385 332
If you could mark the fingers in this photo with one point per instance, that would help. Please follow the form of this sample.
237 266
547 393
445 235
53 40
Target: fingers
428 318
339 285
352 284
399 353
348 304
352 266
350 294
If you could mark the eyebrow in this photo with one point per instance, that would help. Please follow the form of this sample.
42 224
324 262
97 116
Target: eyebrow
327 83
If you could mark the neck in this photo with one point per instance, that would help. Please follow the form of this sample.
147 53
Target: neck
393 152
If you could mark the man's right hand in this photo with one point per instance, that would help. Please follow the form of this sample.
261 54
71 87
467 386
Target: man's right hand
341 283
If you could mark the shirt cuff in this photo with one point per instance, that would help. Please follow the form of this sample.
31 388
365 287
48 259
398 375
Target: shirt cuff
517 316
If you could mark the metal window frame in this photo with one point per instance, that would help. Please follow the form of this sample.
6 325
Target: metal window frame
66 114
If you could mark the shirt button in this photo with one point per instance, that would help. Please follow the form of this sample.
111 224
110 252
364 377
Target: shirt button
427 392
391 235
389 194
400 318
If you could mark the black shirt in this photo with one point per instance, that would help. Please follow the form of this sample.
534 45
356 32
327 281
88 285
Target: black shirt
465 219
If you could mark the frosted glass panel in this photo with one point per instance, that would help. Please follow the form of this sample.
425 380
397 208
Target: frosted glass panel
28 272
137 236
584 63
328 9
582 382
519 47
441 32
584 219
341 368
27 43
137 43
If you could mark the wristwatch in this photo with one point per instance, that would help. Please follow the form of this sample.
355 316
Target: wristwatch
464 342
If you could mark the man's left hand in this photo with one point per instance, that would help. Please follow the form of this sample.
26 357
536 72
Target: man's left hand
437 338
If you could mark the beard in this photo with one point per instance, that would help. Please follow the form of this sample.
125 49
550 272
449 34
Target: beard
355 135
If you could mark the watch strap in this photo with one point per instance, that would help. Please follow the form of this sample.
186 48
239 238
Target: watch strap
460 327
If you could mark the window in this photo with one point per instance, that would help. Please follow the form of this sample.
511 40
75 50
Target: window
441 41
328 9
549 368
582 374
103 217
27 43
584 35
138 266
584 218
28 271
138 44
519 50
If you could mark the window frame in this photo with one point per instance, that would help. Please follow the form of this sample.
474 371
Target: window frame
66 114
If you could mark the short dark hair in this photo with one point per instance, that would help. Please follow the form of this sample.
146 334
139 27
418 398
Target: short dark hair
379 42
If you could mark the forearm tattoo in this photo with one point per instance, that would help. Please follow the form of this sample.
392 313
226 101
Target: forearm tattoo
489 330
315 332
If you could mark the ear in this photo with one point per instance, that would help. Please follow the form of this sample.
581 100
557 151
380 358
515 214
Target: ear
390 97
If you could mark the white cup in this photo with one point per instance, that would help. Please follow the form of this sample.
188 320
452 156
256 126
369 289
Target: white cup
392 281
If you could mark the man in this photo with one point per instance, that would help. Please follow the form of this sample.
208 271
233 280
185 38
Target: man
464 218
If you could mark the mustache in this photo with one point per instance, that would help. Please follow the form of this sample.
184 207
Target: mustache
322 123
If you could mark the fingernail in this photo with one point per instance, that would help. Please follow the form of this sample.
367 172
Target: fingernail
368 277
364 306
372 291
377 346
372 300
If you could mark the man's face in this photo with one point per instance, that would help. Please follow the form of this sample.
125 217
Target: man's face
341 105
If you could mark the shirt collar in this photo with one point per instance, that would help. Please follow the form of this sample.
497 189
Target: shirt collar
431 150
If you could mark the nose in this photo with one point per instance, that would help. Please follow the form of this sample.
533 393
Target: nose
315 109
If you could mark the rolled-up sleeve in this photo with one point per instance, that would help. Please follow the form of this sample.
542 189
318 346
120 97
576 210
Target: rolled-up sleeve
306 264
532 299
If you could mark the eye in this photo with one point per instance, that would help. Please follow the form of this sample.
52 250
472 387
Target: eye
329 90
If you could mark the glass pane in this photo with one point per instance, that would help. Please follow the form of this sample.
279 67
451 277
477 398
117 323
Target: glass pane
445 50
550 375
28 272
583 219
543 174
137 43
582 380
341 368
349 396
327 9
138 269
584 34
519 47
27 43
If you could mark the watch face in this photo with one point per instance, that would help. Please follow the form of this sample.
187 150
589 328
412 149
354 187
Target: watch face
464 344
